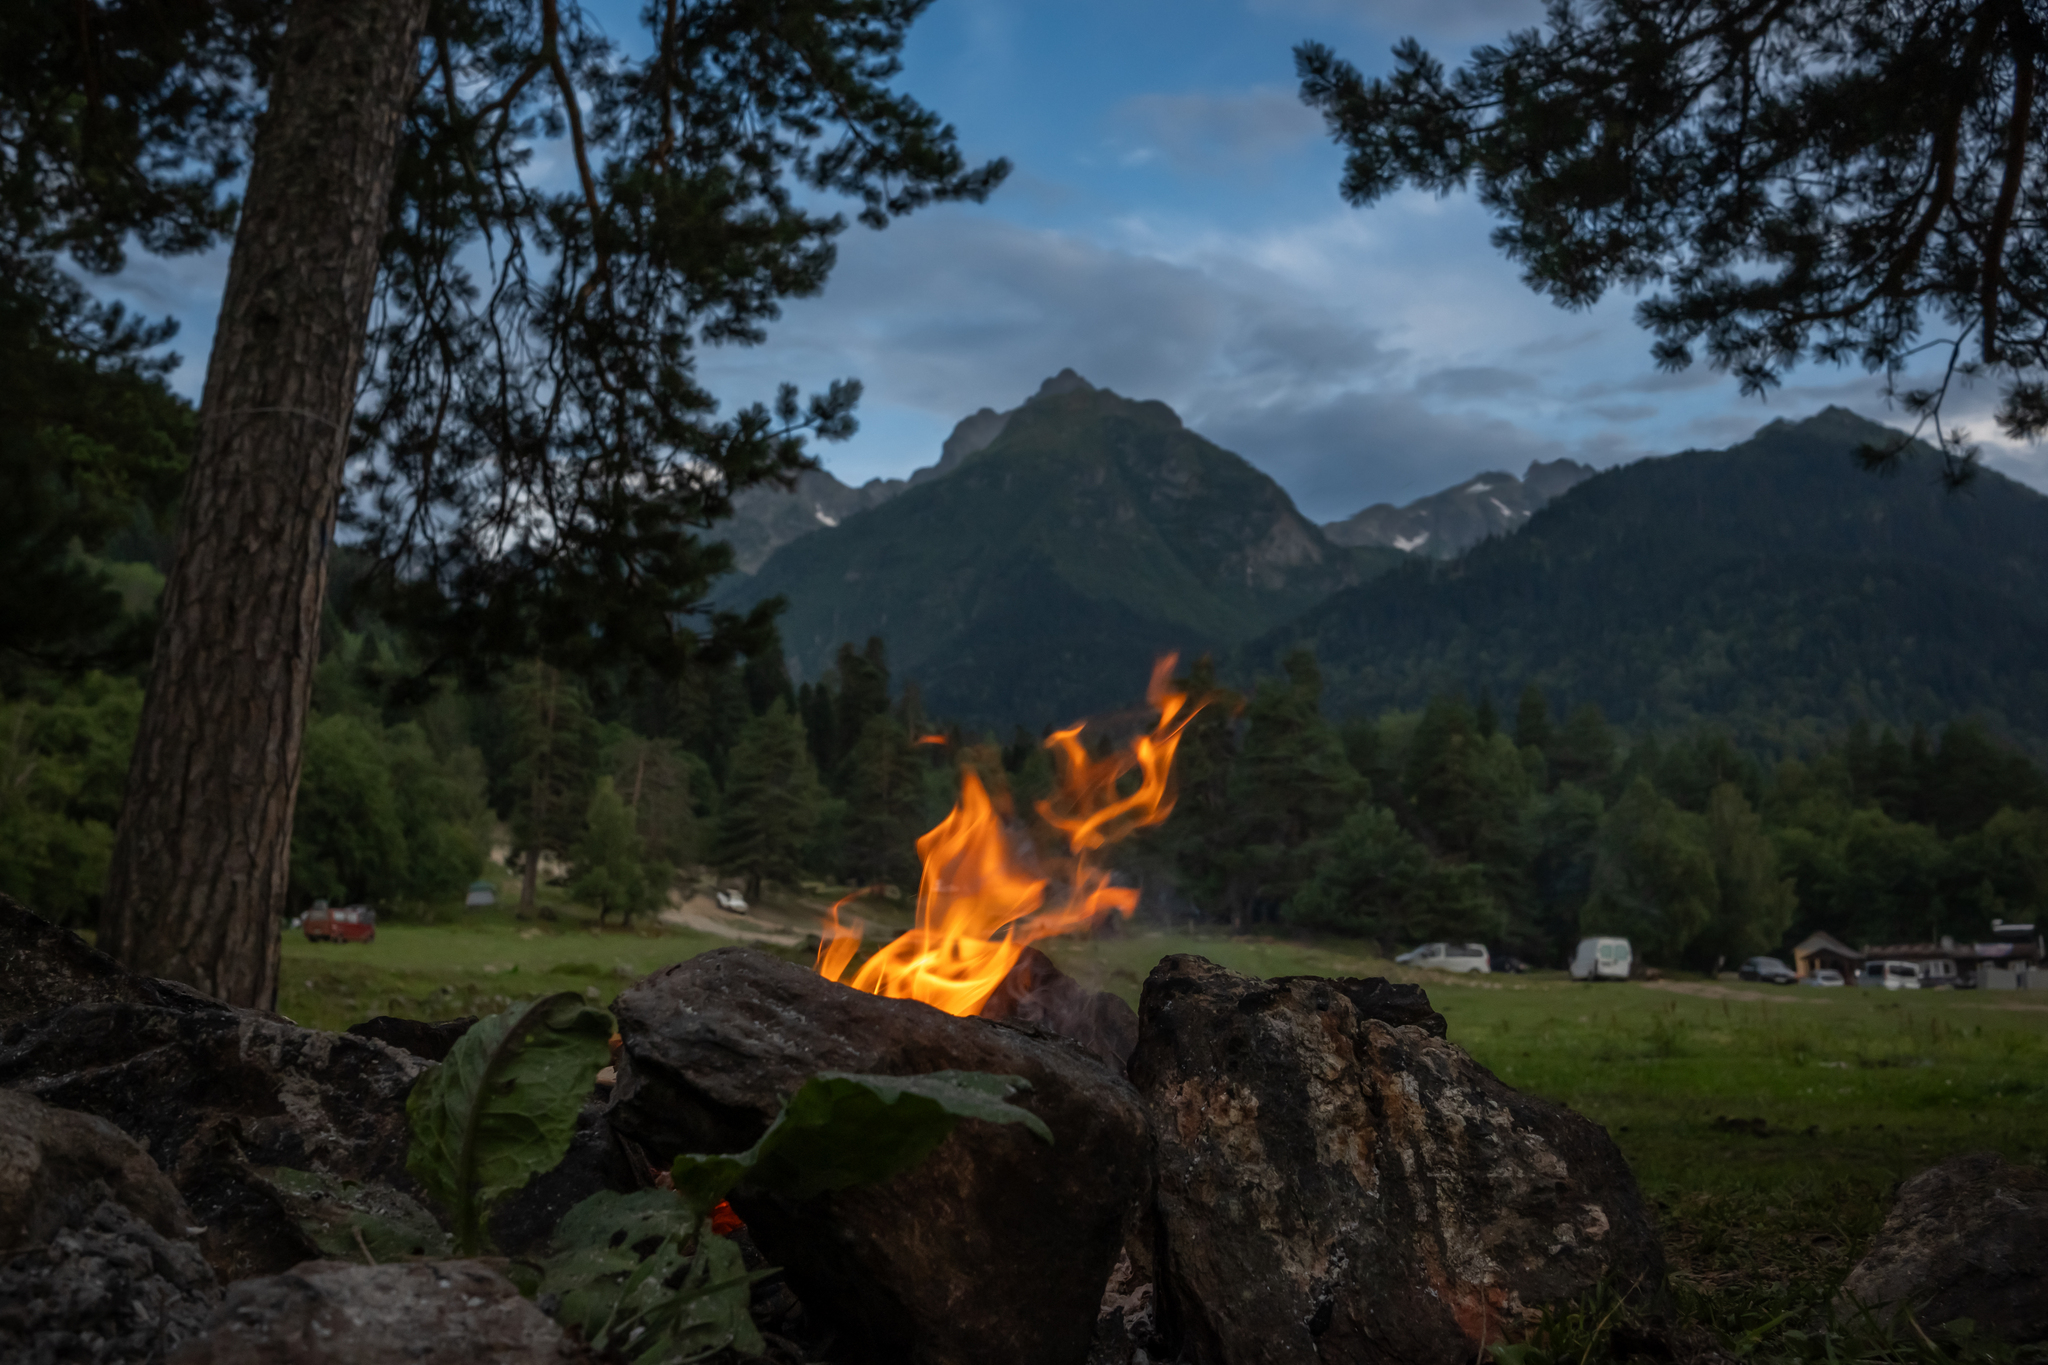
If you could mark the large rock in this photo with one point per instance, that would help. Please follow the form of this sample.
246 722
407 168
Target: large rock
47 968
214 1094
1335 1187
1966 1239
418 1313
94 1264
997 1246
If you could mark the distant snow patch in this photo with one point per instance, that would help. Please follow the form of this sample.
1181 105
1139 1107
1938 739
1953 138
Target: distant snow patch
823 516
1408 544
1502 506
1476 486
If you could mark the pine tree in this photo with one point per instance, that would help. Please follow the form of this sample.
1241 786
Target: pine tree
1532 720
771 800
884 786
554 740
1755 906
607 866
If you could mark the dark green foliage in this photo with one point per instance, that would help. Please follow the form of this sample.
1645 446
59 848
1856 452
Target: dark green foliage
884 786
610 869
1770 588
1532 720
771 801
539 459
1755 904
554 744
1036 583
63 758
1653 881
841 1130
1374 880
502 1108
1818 178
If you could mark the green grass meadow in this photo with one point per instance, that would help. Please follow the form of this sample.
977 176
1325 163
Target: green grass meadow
1767 1125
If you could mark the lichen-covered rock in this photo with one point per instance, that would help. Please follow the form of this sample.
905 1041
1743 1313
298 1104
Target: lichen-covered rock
1965 1239
105 1287
217 1095
418 1313
1335 1188
996 1247
56 1166
212 1093
94 1261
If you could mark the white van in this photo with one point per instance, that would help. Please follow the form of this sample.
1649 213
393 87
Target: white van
1889 975
1602 959
1449 957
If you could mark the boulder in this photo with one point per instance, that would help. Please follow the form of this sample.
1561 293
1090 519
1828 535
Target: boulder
1336 1186
996 1243
1965 1239
429 1040
93 1258
214 1094
417 1313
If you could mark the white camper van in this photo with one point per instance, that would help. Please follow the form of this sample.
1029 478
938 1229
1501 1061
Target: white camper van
1602 959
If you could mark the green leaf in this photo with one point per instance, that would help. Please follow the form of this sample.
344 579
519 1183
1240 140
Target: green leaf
624 1276
841 1130
502 1108
349 1221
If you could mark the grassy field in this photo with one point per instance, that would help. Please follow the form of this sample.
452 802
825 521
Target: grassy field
1767 1125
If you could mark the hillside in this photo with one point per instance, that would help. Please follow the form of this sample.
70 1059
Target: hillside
1445 525
1773 587
1037 581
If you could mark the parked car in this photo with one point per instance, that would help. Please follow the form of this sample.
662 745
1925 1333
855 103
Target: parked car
1889 975
1449 957
1510 964
340 924
1822 976
1602 959
730 900
1938 973
1769 969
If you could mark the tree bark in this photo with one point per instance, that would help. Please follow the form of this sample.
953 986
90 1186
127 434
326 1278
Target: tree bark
201 857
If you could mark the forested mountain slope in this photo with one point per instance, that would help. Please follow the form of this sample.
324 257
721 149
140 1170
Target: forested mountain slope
1774 588
1037 581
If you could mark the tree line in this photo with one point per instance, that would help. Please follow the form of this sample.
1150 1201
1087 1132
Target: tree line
1522 829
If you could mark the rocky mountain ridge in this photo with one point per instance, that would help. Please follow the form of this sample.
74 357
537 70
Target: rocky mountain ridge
1445 525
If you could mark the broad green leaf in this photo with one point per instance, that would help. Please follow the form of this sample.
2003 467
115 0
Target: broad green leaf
624 1273
347 1220
502 1108
841 1130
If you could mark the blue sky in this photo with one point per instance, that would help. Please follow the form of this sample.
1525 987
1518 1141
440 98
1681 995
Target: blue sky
1172 230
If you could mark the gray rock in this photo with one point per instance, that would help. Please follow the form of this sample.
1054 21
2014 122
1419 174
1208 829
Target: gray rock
213 1093
418 1313
997 1243
106 1287
1335 1188
94 1261
1965 1239
47 968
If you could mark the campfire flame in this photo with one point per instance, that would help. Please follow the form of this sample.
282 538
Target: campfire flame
979 906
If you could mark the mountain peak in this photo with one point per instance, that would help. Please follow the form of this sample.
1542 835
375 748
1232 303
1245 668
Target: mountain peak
1066 381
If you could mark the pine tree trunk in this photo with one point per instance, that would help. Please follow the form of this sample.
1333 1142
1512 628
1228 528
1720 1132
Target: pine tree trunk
201 858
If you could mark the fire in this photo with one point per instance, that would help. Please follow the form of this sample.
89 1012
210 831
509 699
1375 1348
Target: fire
980 905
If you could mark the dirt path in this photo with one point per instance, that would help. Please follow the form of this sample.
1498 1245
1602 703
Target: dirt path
1782 995
699 913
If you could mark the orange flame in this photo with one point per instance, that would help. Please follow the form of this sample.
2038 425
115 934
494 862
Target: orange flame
933 739
979 906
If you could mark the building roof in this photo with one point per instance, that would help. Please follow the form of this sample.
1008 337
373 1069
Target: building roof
1820 941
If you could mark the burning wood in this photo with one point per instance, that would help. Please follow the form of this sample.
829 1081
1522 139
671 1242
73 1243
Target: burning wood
980 906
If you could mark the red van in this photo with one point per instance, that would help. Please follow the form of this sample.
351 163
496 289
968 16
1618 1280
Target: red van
340 924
